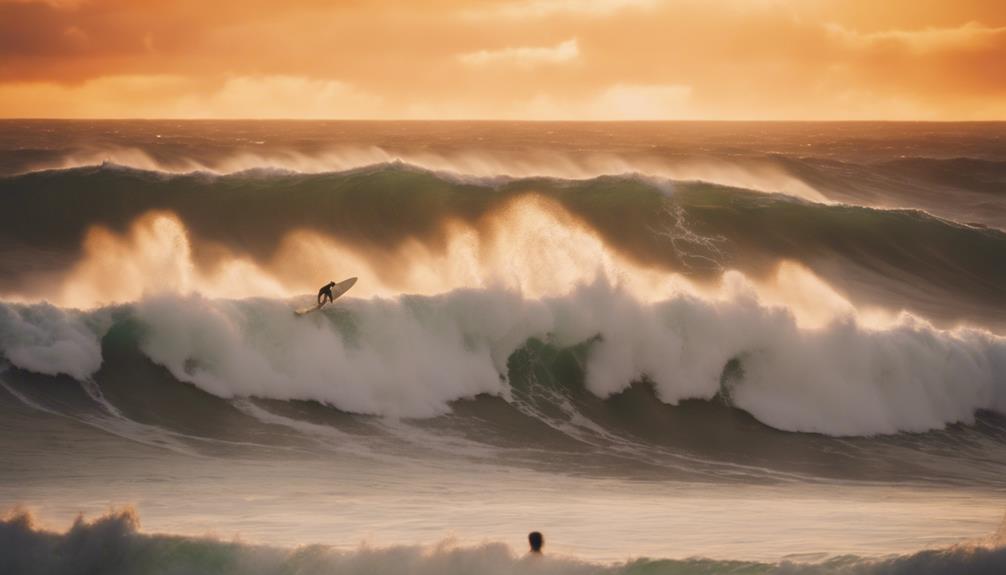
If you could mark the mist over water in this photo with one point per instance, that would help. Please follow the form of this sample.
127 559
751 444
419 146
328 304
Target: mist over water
725 342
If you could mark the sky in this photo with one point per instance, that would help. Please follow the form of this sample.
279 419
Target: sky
505 59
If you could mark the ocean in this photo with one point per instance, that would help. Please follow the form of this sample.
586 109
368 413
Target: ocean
678 347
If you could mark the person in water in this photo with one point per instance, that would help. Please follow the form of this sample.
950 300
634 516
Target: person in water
536 540
325 294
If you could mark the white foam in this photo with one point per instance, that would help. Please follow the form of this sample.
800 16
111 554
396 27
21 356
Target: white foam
411 356
401 366
49 340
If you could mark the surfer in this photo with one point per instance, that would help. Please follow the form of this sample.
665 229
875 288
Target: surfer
325 294
328 293
536 540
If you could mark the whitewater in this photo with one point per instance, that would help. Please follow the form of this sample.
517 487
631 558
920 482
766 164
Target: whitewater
673 348
412 356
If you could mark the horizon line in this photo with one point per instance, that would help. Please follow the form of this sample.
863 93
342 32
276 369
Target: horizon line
501 120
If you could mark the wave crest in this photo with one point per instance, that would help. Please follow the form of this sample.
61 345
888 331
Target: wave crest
412 356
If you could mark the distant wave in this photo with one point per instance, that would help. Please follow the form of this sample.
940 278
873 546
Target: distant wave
963 189
114 544
940 269
471 165
954 171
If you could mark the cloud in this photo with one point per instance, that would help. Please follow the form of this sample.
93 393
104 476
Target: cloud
612 102
617 102
525 56
276 96
53 3
970 36
544 8
173 96
643 102
923 72
99 98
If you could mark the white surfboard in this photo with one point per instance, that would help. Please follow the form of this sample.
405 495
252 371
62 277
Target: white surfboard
337 290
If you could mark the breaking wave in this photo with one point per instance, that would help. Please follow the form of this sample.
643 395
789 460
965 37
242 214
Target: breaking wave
412 228
412 356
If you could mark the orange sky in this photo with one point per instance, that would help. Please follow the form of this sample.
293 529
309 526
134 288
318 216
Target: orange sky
504 59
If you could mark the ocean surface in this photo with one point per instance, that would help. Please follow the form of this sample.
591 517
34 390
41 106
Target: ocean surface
670 347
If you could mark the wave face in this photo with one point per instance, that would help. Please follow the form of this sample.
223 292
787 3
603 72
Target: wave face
113 543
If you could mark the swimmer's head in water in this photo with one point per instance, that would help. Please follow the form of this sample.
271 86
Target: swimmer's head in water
536 540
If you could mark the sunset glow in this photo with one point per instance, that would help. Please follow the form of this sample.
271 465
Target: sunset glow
507 59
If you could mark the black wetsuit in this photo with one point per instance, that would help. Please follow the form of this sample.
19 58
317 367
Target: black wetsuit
325 294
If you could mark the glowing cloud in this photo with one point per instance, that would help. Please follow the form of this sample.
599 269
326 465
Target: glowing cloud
970 36
524 56
544 8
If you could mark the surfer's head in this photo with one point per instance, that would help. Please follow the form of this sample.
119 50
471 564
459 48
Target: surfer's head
536 540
